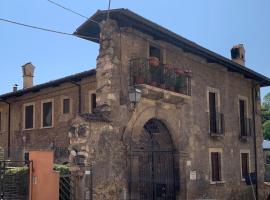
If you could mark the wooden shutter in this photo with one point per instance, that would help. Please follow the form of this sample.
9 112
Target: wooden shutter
93 102
66 106
29 117
242 117
216 166
245 164
212 112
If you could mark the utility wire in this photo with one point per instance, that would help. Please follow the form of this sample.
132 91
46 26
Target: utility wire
46 29
74 12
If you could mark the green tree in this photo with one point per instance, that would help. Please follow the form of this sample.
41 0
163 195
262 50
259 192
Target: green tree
266 101
266 116
266 130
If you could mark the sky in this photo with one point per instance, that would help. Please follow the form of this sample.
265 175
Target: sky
216 25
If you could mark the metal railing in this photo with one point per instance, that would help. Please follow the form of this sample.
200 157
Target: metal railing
216 124
245 127
60 154
165 76
15 180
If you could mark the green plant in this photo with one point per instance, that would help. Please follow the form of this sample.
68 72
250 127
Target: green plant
16 170
63 169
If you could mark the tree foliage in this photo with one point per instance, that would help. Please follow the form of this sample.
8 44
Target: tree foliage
266 116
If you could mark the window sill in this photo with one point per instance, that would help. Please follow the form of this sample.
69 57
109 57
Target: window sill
216 134
47 127
217 182
28 129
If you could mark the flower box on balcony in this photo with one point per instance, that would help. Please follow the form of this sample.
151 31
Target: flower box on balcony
154 61
179 71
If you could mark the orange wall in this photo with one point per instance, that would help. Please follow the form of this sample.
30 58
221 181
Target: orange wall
45 181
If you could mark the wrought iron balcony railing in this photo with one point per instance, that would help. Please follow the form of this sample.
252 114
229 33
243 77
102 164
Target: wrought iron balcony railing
216 124
165 76
245 127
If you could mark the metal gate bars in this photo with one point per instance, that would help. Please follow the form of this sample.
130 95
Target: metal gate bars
66 187
152 168
14 180
152 176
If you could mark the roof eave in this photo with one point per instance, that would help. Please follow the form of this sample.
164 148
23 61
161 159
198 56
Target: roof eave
170 36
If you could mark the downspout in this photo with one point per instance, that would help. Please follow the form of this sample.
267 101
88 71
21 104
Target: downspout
254 136
9 125
79 96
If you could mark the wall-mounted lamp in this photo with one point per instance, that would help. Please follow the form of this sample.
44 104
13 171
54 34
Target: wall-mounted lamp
134 94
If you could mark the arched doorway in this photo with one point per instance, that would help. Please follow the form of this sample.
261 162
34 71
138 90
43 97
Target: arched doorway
152 164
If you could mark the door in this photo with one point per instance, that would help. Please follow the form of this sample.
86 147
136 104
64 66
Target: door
152 167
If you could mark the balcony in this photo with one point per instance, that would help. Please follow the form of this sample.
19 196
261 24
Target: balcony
216 124
166 77
245 128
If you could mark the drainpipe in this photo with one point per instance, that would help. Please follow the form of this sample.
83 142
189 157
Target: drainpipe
9 124
254 135
79 96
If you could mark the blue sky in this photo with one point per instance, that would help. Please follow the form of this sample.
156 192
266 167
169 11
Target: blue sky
216 25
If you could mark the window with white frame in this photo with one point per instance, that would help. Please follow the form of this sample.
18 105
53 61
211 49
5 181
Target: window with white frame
29 116
215 156
213 109
47 114
245 163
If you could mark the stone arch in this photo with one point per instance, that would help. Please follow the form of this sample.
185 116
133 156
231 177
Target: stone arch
143 115
153 166
154 136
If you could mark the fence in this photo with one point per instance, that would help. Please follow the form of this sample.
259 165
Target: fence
14 180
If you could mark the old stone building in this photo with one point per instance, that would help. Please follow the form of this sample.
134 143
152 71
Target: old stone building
39 117
159 118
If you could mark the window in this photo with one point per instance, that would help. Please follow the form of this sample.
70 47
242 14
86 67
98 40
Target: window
92 102
29 113
212 112
244 164
244 122
47 114
26 156
66 106
242 116
216 119
216 165
155 52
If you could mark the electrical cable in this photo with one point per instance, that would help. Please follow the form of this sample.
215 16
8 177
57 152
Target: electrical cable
46 29
74 12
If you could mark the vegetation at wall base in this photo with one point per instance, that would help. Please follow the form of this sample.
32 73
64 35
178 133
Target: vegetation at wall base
63 169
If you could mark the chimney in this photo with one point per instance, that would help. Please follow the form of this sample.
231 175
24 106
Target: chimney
28 74
15 88
238 54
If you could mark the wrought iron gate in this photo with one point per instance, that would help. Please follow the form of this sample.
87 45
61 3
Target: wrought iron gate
66 187
152 168
14 180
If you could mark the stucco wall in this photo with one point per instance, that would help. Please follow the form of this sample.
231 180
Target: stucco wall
44 138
